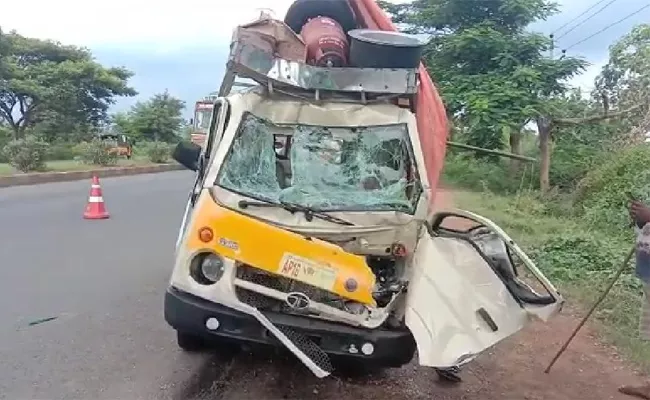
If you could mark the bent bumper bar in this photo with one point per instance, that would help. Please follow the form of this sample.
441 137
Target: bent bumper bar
188 313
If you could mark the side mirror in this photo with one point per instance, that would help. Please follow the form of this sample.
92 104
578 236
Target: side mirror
187 154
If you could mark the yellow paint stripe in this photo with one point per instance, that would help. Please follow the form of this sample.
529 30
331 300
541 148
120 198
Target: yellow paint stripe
279 251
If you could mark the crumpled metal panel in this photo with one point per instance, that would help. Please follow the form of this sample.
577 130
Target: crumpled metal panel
257 63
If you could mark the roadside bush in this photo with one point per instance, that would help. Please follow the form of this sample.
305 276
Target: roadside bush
602 194
580 256
96 152
463 170
570 164
158 152
26 154
5 137
61 151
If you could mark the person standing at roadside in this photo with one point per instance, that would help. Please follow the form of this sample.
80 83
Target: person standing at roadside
640 214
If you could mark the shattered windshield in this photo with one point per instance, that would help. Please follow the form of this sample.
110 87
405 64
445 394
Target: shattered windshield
325 168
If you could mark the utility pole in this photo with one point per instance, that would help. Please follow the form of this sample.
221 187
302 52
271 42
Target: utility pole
552 44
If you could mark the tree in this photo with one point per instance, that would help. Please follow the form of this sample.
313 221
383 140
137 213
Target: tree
41 78
492 73
621 91
624 82
121 123
159 118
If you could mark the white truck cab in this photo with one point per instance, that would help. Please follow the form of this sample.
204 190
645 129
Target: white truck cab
310 227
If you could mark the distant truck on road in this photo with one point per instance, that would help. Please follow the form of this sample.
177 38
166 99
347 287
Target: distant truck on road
201 122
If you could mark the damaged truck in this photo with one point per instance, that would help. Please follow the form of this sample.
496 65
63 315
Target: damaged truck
311 223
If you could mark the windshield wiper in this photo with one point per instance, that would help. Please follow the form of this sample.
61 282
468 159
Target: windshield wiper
310 213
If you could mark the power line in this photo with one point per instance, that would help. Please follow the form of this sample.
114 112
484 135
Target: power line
583 13
588 18
608 26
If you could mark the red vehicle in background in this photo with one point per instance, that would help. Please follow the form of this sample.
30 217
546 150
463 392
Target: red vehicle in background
201 122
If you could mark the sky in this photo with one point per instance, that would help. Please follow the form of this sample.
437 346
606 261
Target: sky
182 46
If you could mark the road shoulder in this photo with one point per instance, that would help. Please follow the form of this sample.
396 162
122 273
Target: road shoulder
62 176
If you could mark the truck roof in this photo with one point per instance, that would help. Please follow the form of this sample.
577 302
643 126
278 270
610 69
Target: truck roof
250 60
287 109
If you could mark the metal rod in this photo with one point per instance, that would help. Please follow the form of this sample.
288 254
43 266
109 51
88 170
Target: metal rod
495 152
600 300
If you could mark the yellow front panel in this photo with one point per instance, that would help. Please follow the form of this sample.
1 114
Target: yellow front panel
281 252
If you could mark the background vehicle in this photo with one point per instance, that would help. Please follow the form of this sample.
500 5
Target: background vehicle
201 121
122 144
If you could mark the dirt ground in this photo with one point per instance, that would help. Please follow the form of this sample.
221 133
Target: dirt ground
513 370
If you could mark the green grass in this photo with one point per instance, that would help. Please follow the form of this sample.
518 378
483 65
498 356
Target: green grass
71 165
578 258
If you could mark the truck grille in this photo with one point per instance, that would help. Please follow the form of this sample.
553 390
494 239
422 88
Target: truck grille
282 284
309 348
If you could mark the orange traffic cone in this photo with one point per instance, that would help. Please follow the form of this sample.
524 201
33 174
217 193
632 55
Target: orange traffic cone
95 208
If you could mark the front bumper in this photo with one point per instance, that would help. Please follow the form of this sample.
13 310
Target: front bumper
188 313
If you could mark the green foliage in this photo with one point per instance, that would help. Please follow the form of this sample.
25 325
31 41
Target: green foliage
53 126
26 154
5 137
428 16
121 123
625 79
571 162
463 170
158 152
492 73
579 256
61 151
602 194
578 147
96 152
43 79
158 119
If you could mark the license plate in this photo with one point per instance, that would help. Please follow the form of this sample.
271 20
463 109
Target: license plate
307 271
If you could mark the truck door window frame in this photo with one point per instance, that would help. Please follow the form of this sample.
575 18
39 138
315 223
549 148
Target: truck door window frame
215 133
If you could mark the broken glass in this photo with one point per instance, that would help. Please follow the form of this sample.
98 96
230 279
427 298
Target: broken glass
249 168
328 168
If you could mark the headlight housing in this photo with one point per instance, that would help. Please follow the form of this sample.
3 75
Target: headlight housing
207 268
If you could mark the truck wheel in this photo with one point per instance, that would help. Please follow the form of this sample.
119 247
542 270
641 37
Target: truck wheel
302 11
189 342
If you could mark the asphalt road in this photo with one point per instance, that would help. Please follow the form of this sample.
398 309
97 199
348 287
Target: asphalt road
81 304
102 281
101 285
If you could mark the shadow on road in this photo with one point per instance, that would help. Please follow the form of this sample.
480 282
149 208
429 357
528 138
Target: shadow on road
267 373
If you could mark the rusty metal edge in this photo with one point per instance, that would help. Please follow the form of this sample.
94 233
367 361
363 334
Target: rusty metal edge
52 177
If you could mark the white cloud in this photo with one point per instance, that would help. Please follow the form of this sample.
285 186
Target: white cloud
134 23
585 81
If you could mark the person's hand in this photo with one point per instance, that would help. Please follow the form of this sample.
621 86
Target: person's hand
640 213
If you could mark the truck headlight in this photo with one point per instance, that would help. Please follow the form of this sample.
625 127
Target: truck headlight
207 268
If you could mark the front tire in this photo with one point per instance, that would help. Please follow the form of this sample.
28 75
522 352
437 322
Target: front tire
189 342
